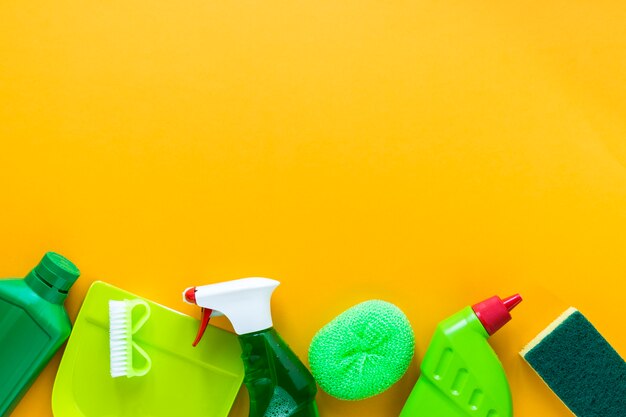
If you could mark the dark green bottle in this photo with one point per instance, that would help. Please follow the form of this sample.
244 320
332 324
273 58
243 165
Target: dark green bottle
33 325
278 383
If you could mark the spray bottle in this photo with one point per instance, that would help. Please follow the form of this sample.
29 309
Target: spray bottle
279 385
461 374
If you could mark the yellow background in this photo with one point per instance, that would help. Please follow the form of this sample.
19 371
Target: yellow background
427 153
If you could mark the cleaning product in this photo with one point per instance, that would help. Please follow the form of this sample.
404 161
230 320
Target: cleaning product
33 324
183 381
461 374
580 366
121 330
363 351
279 385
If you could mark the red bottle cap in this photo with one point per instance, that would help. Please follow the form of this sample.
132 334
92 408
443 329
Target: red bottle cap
494 312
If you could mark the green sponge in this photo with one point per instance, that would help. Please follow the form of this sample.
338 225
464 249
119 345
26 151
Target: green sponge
580 366
363 351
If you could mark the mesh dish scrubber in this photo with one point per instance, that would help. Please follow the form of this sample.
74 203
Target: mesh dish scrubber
363 351
580 366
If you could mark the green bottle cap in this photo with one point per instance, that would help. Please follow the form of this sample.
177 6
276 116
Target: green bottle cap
57 271
53 277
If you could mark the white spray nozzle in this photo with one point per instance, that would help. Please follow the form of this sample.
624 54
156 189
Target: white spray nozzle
246 302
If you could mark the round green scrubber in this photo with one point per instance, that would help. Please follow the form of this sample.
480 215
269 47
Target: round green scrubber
363 351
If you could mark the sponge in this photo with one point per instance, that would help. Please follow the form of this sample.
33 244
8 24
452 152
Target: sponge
580 366
363 351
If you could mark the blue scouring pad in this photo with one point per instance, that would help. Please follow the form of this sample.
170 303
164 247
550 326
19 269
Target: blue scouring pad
580 366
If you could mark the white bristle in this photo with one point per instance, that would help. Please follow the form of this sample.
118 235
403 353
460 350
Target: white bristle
119 328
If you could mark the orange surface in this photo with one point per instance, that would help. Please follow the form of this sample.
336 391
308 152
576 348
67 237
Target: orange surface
426 153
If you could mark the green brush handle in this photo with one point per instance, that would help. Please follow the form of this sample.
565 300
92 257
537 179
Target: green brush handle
277 381
461 374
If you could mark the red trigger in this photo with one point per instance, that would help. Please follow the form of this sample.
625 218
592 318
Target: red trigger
204 322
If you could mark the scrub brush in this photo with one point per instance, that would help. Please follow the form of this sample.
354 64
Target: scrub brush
580 366
121 333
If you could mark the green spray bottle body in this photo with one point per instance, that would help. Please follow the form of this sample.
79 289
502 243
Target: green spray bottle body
33 325
461 375
278 383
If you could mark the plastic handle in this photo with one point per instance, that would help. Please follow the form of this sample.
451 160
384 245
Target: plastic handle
141 371
136 326
144 317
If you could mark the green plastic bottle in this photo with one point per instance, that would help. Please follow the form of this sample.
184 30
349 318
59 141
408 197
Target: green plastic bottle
279 385
33 325
461 374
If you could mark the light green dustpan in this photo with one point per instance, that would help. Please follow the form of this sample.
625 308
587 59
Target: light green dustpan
183 380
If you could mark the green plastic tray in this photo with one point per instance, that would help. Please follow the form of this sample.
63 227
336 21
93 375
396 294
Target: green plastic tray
184 381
